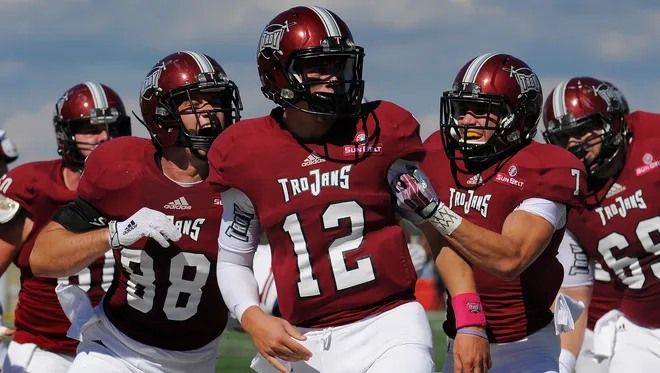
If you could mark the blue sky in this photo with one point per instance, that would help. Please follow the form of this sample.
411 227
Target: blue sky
413 49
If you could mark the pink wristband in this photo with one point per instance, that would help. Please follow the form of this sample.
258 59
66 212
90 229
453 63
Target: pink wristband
468 310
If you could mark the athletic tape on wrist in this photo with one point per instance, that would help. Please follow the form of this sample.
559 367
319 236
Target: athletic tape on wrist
445 220
113 235
477 332
468 310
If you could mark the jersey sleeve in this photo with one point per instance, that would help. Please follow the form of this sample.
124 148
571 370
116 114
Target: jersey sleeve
222 164
408 142
239 230
561 178
19 186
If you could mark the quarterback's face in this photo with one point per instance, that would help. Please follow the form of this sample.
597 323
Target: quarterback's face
197 113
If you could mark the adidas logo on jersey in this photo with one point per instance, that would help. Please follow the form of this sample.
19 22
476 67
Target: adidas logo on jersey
311 159
475 180
614 190
178 204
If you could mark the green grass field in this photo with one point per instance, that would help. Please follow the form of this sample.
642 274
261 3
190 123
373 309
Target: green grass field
236 348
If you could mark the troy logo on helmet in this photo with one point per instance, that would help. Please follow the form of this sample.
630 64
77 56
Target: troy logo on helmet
272 36
151 81
527 80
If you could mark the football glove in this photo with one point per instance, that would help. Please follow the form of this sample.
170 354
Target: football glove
144 223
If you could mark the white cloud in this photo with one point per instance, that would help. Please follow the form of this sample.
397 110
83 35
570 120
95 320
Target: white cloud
33 134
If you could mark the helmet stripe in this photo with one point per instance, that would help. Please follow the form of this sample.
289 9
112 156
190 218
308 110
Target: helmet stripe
475 67
329 21
202 61
98 95
558 102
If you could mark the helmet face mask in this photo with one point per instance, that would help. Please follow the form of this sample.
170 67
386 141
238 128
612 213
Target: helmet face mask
586 117
491 110
174 89
311 41
86 109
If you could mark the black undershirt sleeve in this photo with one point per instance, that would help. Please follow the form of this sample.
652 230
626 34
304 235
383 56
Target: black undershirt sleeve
79 217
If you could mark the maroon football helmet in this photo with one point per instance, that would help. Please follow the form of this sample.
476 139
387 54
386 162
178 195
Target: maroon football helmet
583 105
311 39
87 107
497 85
176 78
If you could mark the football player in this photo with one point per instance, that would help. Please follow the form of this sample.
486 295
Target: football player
87 115
312 175
146 203
620 229
501 205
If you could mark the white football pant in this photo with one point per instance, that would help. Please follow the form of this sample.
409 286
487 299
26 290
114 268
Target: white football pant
27 357
636 348
395 341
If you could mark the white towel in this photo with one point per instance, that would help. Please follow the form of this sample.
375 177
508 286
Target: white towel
567 311
605 335
76 306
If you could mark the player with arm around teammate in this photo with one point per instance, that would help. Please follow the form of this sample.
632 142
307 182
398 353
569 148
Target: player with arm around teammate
501 204
147 203
315 182
87 115
619 231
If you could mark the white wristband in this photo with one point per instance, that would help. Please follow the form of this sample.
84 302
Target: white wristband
445 220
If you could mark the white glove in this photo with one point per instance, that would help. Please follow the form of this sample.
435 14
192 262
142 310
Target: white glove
144 223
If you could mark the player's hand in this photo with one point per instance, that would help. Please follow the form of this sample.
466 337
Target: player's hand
6 332
144 223
471 354
415 195
274 338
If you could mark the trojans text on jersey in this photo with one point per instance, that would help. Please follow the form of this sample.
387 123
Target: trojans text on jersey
620 206
315 182
188 227
469 200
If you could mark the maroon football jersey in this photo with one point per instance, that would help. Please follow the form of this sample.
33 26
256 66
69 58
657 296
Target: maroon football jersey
39 188
623 232
338 254
514 309
163 297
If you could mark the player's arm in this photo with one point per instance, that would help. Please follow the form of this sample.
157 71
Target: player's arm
272 336
15 226
577 284
525 233
471 347
73 240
